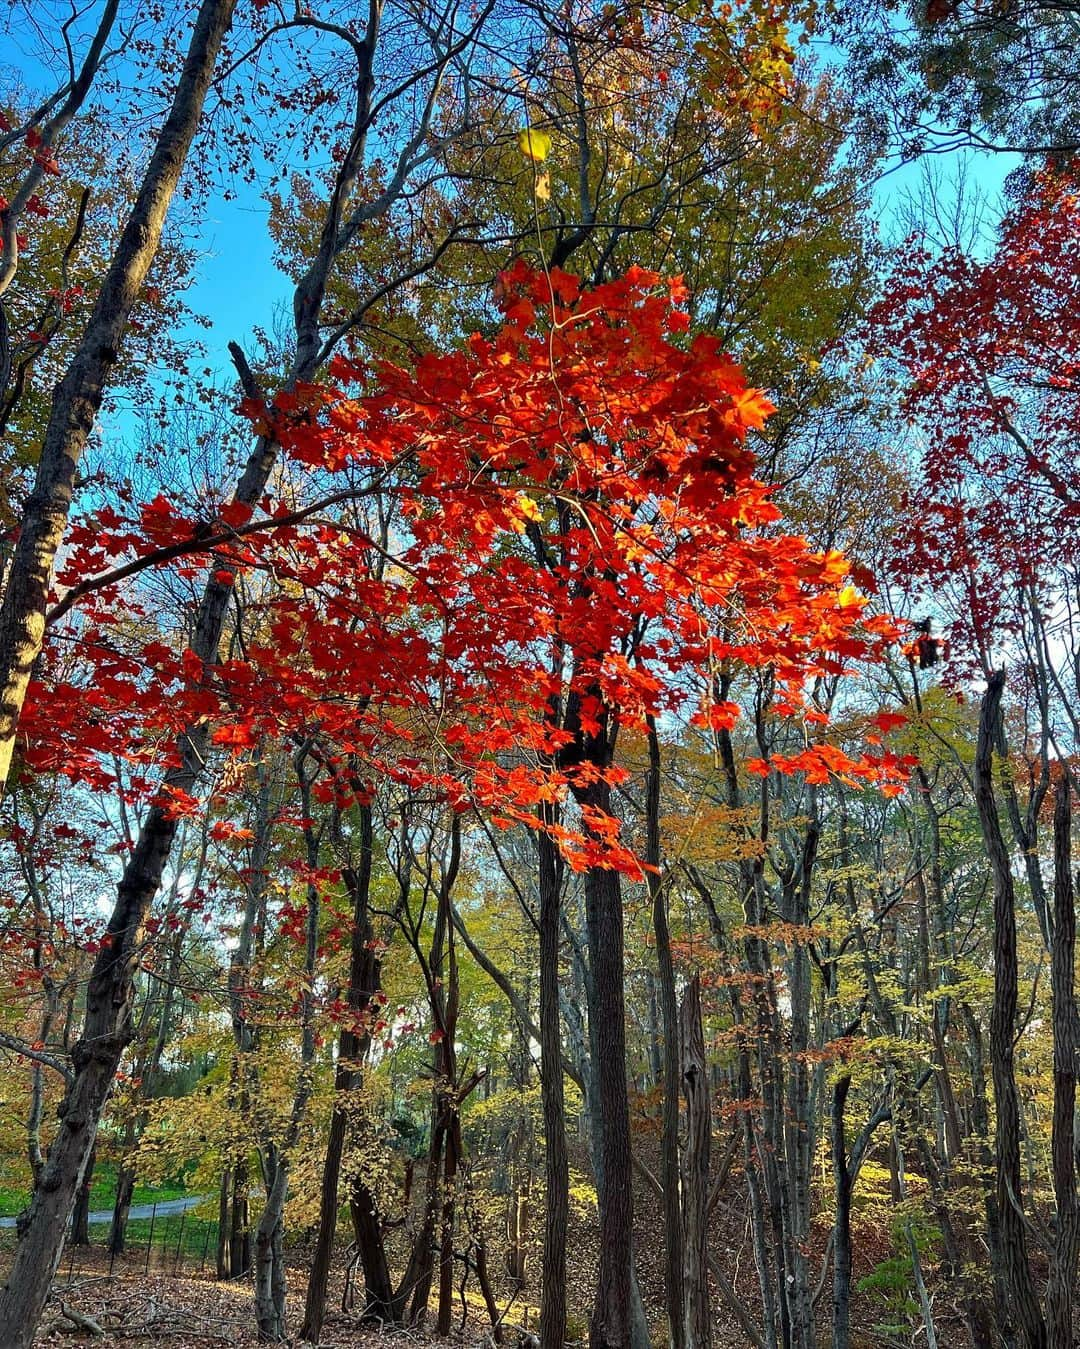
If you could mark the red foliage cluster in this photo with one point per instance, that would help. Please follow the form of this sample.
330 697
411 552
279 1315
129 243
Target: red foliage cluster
574 514
991 350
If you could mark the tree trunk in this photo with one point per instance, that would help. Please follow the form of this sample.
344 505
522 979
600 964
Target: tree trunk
980 1128
125 1188
656 1034
556 1165
95 1058
841 1301
240 1221
798 1119
147 1064
35 1155
270 1286
923 1295
421 1268
695 1171
769 1137
1062 1278
675 1253
319 1274
80 1216
380 1301
1009 1192
107 1028
517 1237
78 397
610 1324
364 979
483 1278
269 1280
222 1261
451 1159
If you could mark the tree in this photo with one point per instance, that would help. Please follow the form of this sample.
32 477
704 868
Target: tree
935 75
580 559
989 348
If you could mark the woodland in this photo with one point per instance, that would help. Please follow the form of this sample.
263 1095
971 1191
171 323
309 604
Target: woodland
540 672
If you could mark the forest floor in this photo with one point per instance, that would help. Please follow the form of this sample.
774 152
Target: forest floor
165 1294
131 1307
136 1310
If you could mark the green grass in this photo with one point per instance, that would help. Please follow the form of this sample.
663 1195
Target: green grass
102 1193
196 1237
192 1238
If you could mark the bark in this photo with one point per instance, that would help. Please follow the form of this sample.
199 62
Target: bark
695 1171
35 1155
222 1257
963 1241
147 1065
1009 1192
768 1144
245 1037
269 1275
95 1057
107 1028
364 980
758 1148
319 1274
980 1128
80 1217
50 131
22 614
921 1291
239 1222
769 1137
963 1252
517 1237
483 1278
610 1324
675 1253
842 1186
451 1162
1062 1277
421 1268
125 1188
269 1256
798 1123
656 1036
556 1165
380 1300
270 1285
434 1242
449 989
78 397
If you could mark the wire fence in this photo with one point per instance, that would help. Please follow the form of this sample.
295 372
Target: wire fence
181 1245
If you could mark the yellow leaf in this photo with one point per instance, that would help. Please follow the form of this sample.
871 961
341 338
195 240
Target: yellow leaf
543 186
534 144
528 507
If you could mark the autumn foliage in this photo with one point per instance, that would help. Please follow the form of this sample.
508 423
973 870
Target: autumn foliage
990 350
575 493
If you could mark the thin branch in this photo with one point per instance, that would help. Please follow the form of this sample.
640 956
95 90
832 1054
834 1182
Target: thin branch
17 1046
